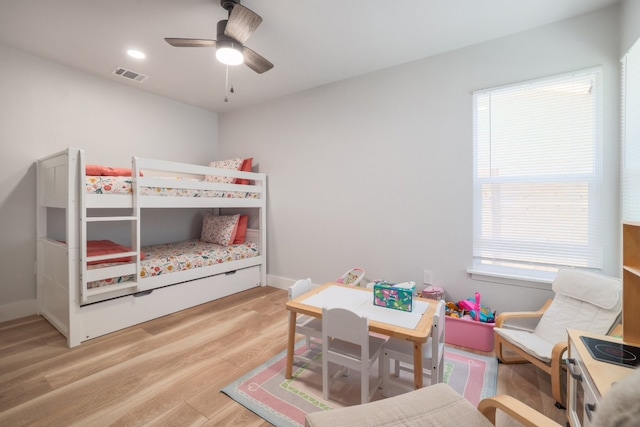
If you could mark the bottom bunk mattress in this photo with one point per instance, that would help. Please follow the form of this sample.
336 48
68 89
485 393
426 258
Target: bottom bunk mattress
173 257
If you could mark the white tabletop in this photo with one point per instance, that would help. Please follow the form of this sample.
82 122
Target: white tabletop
362 303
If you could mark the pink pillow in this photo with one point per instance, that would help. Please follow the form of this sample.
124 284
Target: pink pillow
96 170
219 229
107 247
117 172
246 167
241 234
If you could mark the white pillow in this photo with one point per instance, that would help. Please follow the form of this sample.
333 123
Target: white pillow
232 164
219 229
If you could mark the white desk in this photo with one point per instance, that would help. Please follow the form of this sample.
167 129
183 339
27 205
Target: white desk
589 379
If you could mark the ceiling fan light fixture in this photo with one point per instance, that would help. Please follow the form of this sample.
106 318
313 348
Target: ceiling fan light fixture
229 53
134 53
231 34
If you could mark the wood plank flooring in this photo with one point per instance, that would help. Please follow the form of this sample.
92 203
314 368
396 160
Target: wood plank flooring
169 371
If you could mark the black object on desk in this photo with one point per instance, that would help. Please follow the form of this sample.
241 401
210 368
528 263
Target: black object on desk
611 352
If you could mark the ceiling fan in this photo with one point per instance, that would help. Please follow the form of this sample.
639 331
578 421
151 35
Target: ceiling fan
231 35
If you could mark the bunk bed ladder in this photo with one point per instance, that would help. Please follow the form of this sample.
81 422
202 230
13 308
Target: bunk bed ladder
131 269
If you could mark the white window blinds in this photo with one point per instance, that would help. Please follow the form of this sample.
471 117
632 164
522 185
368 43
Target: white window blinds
538 174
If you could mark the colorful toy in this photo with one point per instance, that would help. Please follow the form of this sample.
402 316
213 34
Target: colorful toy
468 309
352 277
471 306
452 310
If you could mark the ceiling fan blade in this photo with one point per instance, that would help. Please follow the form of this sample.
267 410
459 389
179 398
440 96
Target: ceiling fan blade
256 62
242 23
191 42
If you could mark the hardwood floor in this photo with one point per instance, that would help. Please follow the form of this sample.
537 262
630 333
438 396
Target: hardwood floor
530 385
168 371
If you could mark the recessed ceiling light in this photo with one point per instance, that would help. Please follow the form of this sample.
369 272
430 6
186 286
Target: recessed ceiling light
136 54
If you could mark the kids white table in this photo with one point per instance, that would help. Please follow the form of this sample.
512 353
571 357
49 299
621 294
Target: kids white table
414 326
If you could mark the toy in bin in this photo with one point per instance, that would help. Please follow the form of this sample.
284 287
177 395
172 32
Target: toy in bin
352 277
470 307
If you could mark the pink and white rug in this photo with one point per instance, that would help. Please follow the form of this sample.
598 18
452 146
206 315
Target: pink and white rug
286 402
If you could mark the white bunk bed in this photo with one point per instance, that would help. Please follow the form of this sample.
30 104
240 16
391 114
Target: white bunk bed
67 295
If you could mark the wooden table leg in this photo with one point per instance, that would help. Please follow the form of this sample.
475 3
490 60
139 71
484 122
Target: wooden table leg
291 343
417 365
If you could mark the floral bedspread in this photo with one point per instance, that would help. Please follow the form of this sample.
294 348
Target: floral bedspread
172 257
108 185
122 185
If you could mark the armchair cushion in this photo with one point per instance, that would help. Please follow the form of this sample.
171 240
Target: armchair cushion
531 343
569 313
593 288
437 405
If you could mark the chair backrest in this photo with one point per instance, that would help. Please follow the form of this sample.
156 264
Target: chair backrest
438 343
300 287
437 333
347 343
345 325
585 301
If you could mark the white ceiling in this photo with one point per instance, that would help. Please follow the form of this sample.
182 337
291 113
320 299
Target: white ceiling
310 42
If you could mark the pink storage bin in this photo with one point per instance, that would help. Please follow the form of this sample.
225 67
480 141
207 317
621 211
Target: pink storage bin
469 333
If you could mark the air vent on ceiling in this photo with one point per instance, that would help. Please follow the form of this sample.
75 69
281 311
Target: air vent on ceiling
128 74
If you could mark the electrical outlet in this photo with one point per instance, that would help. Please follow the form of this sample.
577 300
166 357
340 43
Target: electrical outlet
428 277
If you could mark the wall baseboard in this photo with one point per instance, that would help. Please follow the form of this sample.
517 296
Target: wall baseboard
25 308
18 309
280 282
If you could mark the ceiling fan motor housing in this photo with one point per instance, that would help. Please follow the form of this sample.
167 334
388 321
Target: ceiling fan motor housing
228 4
221 36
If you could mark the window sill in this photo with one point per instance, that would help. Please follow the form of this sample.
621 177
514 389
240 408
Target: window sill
513 276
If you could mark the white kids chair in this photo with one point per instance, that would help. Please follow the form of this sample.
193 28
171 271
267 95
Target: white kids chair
346 342
401 351
310 327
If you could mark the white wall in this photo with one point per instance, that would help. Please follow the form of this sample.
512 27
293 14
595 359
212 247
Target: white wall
46 107
376 171
630 24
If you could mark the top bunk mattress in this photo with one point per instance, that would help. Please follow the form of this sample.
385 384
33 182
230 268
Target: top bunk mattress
155 184
121 185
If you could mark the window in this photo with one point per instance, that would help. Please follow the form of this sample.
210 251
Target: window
538 176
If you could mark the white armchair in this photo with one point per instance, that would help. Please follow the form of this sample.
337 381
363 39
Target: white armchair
583 301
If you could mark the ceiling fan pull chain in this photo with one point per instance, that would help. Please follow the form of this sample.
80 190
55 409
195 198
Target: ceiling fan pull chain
229 82
226 85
